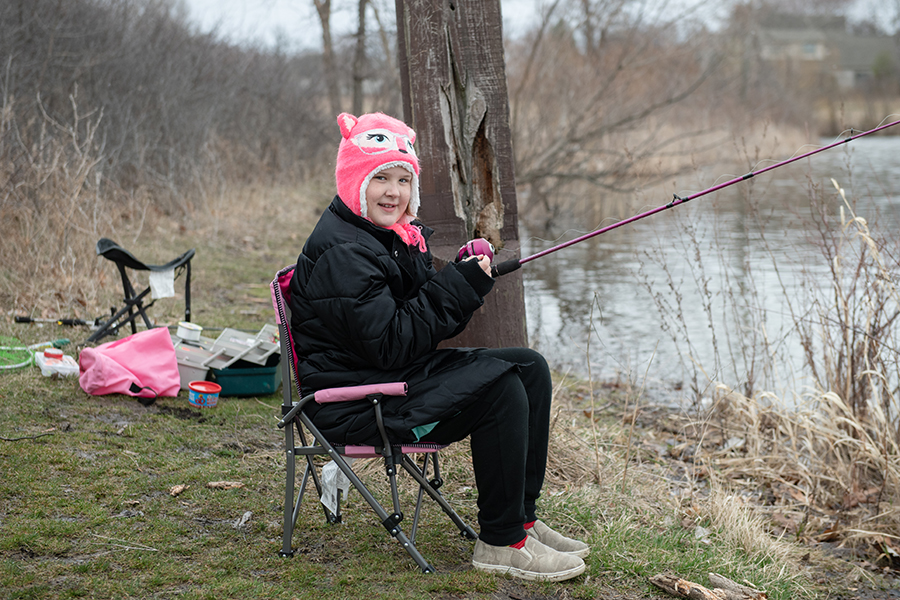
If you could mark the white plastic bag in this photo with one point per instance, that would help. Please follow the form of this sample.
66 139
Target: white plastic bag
333 479
162 284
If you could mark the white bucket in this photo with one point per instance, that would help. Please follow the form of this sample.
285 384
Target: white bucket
189 331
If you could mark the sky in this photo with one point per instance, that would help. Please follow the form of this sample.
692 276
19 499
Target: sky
296 22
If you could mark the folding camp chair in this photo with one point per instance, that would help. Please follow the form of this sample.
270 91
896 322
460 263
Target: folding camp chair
134 302
293 418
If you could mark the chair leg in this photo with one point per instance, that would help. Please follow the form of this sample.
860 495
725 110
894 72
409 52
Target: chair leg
292 504
413 469
112 326
311 469
421 494
289 511
187 292
134 301
391 522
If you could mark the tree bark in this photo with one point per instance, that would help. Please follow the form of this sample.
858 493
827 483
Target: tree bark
455 97
683 588
735 590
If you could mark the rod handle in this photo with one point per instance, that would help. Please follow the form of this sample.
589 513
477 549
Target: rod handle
71 322
507 266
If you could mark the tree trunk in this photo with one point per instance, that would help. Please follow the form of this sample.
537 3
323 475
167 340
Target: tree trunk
359 61
455 97
323 7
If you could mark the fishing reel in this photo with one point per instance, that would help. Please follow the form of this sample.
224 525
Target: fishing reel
474 248
482 246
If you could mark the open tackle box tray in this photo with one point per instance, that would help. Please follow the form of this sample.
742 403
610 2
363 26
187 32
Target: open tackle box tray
234 345
229 360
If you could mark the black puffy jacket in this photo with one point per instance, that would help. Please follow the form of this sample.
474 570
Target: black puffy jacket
366 308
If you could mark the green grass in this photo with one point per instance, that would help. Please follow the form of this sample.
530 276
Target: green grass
86 513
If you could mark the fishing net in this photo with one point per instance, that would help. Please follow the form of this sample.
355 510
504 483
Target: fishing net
13 354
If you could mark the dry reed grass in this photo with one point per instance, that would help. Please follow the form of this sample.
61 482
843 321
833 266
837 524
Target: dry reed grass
52 199
56 203
823 466
820 472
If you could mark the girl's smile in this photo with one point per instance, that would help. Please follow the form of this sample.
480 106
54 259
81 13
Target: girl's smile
387 196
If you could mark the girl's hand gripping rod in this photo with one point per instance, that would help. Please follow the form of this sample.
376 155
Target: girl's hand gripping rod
511 265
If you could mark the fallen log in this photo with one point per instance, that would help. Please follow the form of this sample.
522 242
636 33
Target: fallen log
724 588
684 588
735 590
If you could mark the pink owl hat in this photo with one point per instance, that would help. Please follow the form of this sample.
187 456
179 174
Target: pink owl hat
372 143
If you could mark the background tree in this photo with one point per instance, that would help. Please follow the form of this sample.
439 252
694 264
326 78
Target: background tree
329 70
595 97
359 59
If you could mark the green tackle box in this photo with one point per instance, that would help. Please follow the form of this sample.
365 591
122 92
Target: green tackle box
253 381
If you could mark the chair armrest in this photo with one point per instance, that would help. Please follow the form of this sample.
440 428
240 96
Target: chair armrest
358 392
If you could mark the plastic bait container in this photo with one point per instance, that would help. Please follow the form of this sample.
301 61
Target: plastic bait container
203 394
52 361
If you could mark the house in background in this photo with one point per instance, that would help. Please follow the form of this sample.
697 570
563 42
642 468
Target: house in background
820 51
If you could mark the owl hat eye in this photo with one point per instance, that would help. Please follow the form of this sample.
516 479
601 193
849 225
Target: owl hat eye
378 141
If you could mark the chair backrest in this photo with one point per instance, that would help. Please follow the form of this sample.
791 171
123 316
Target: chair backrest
281 295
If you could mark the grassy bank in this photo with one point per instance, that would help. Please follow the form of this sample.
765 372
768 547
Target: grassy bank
87 509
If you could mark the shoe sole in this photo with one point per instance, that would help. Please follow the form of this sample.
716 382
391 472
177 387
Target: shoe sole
530 575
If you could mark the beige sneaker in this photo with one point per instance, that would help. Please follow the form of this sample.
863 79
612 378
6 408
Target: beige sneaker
557 541
534 561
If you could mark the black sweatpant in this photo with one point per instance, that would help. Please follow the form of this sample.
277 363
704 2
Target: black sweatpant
509 431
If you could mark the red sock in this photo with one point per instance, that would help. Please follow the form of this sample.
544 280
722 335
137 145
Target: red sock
519 545
530 525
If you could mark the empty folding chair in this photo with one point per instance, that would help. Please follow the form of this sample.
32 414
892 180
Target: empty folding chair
294 420
134 306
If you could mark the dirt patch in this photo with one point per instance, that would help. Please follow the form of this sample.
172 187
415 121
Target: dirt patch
185 414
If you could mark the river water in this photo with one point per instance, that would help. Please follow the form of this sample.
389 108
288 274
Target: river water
710 290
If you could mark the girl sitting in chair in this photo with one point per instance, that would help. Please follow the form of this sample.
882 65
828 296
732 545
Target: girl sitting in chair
368 307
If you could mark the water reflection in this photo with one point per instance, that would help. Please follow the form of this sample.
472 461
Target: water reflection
707 288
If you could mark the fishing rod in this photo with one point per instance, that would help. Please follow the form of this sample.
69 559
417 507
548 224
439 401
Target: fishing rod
513 264
71 322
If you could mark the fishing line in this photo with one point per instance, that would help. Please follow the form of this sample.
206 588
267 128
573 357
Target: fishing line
722 177
837 138
513 264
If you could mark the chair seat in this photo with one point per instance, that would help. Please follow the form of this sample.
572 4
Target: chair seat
110 250
358 451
